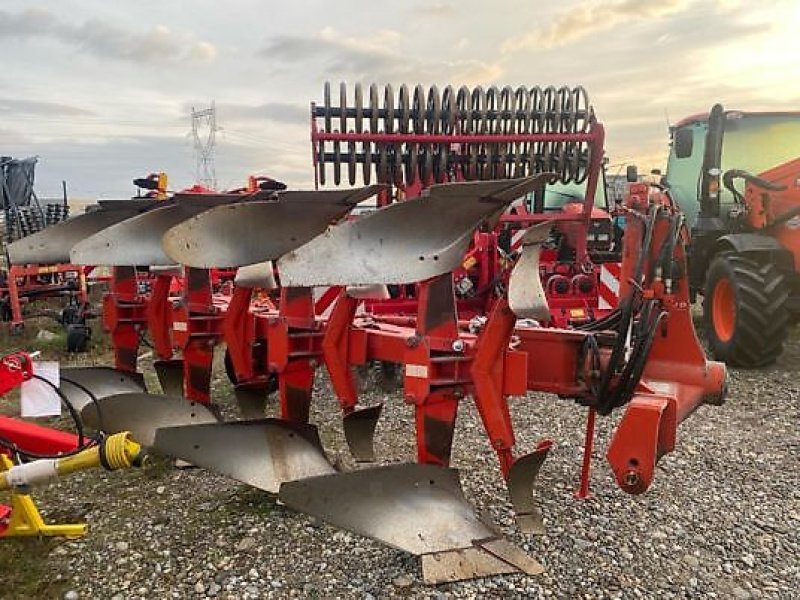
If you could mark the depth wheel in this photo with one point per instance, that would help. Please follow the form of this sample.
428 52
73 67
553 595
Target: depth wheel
744 310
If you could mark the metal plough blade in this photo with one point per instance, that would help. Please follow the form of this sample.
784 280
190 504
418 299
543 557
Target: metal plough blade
81 385
521 479
359 431
136 241
416 508
53 245
264 453
526 297
259 275
251 232
170 376
252 401
406 241
143 414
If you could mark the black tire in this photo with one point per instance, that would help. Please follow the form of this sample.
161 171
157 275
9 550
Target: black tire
78 337
760 319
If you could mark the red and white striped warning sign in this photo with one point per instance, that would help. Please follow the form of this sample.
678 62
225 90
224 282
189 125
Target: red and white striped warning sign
610 274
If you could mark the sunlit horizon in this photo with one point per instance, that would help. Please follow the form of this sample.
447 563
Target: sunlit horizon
102 92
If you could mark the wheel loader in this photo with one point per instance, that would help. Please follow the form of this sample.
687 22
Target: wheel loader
736 177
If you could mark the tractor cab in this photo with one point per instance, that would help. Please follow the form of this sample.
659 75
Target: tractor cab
750 142
569 198
736 177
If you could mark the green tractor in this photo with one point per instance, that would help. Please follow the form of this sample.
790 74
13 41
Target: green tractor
736 177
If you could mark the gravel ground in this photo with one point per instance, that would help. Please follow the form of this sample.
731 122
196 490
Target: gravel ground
721 519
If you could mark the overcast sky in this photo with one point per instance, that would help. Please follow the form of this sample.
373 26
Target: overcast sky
101 91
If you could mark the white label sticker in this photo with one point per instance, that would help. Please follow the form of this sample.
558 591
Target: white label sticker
420 371
37 399
180 326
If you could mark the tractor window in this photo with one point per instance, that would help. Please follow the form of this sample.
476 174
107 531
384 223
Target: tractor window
559 194
683 173
756 143
684 141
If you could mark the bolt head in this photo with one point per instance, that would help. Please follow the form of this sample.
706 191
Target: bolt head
631 479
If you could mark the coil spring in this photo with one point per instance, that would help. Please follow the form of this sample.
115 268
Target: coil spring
477 111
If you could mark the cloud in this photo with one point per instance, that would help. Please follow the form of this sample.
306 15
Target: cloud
278 112
13 106
591 17
9 136
336 52
376 58
107 40
434 10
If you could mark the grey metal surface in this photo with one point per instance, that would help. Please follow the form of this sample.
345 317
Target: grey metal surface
170 376
136 241
251 232
466 563
416 508
508 552
369 292
252 401
263 454
521 479
259 275
406 241
526 297
359 431
53 245
143 414
79 384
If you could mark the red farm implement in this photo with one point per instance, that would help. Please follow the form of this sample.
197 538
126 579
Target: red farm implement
415 139
319 287
23 281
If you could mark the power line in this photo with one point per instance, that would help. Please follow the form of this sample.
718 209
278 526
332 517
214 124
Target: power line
204 133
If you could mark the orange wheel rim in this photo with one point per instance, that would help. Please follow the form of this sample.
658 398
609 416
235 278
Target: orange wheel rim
724 310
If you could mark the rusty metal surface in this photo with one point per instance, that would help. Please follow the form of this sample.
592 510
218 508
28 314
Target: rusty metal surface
263 454
170 376
143 414
521 480
136 241
359 431
259 275
526 297
406 241
416 508
251 232
80 384
53 244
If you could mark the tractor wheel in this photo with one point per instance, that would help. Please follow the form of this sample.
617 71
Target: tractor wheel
744 310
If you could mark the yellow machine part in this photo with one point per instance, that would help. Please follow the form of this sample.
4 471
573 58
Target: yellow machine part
119 451
25 519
